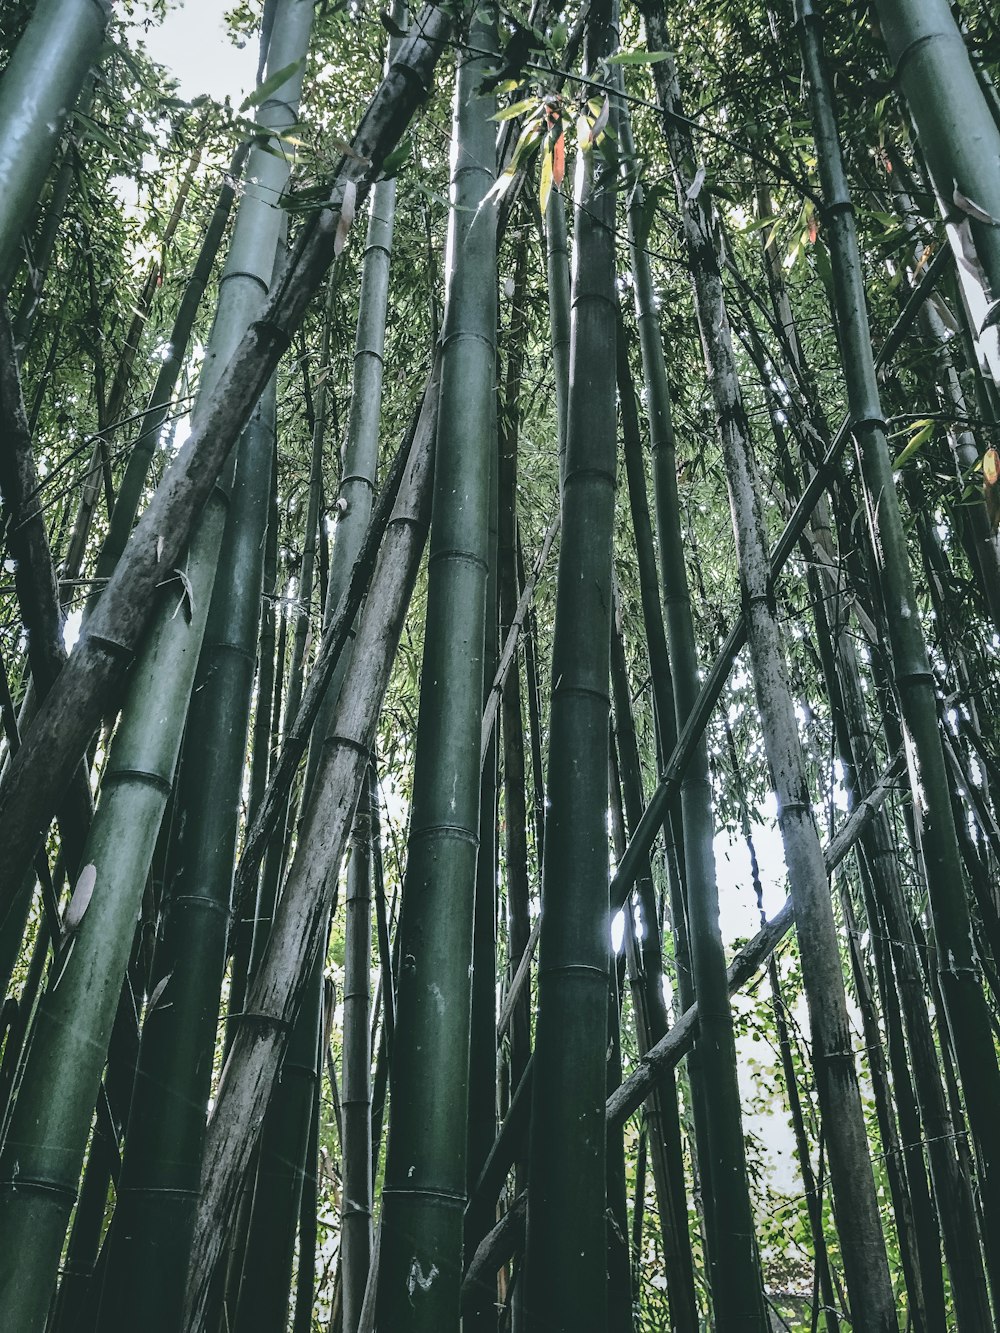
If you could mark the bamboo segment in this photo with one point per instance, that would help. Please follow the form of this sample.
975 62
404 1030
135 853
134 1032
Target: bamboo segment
38 91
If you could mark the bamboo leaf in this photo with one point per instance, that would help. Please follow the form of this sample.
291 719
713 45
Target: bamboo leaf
270 85
157 992
516 109
922 432
637 58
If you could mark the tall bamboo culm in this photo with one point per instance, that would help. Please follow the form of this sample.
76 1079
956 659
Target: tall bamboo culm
565 1278
734 1275
420 1263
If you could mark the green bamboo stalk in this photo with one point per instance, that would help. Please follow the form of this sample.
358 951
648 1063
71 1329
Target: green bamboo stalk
734 1275
479 1315
650 1009
161 1166
565 1281
734 1271
47 1135
959 137
967 1011
356 1100
39 88
862 1241
420 1261
357 484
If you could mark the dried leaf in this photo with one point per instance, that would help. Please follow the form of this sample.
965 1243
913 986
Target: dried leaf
973 209
187 597
157 992
991 491
694 189
559 159
545 179
80 900
346 216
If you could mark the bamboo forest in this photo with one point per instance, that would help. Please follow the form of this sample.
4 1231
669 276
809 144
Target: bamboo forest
499 666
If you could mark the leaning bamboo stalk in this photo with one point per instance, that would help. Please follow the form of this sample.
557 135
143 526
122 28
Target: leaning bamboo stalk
162 394
298 931
672 770
273 794
91 680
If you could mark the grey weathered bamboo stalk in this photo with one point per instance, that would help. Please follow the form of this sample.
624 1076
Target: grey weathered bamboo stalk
299 928
863 1244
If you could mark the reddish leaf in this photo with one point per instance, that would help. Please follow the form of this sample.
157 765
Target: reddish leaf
559 159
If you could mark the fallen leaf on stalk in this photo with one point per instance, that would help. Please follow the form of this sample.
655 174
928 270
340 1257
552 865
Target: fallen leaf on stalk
346 216
80 900
973 209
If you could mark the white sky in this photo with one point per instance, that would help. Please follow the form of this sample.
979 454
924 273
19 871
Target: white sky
194 45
